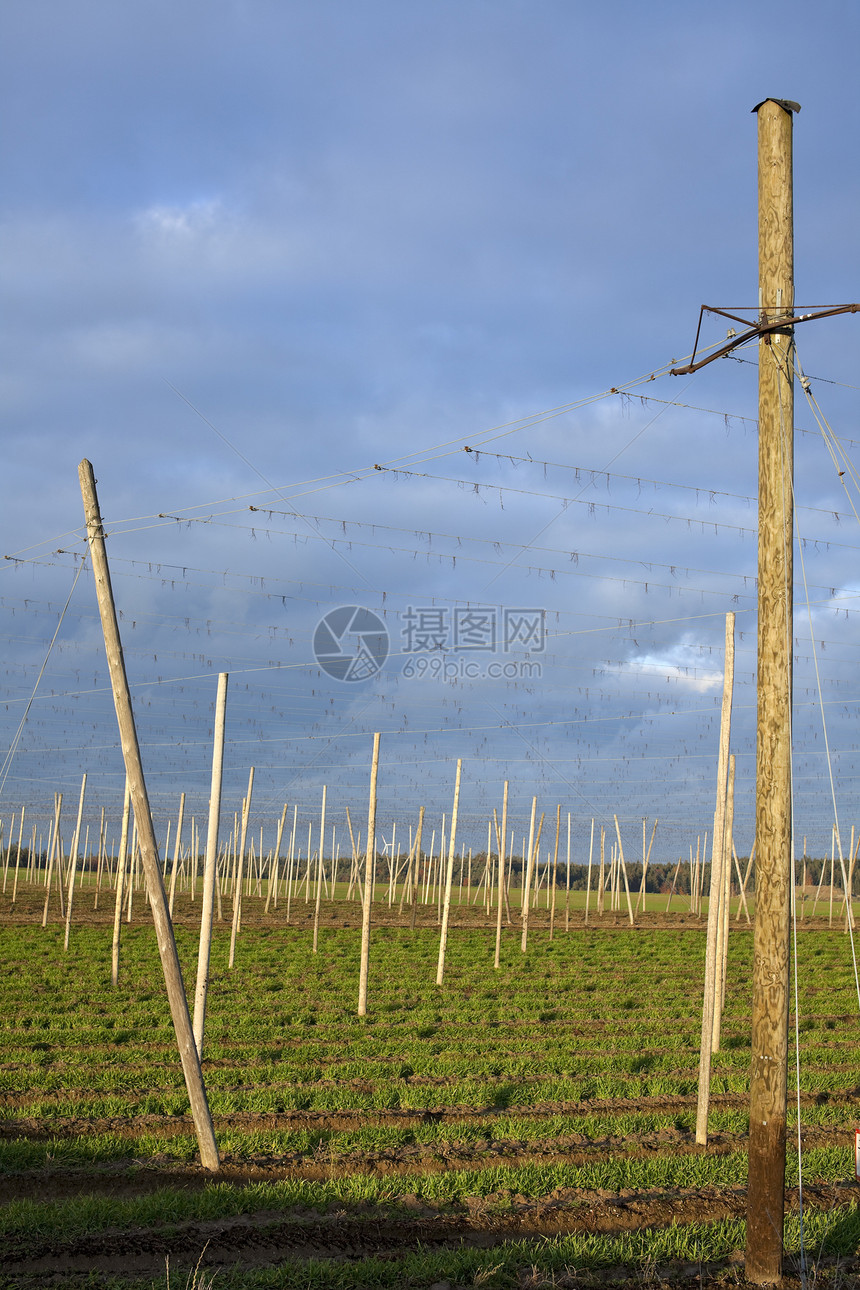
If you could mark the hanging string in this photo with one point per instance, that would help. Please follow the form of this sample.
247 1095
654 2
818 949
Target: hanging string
789 508
7 761
836 452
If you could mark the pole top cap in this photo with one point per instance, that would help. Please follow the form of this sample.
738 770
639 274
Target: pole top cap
788 104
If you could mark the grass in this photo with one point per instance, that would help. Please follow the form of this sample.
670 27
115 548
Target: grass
529 1061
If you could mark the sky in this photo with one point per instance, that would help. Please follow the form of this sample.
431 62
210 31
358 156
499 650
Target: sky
373 307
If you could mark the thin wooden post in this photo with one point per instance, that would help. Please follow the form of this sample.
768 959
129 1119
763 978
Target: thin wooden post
449 876
18 856
588 879
273 873
143 818
73 862
369 864
646 857
240 870
208 902
725 911
52 849
291 858
601 877
319 872
176 851
567 882
100 864
743 896
555 870
803 888
768 1083
120 883
623 867
719 856
500 843
8 855
529 862
416 879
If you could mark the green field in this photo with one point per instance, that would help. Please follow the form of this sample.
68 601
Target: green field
531 1126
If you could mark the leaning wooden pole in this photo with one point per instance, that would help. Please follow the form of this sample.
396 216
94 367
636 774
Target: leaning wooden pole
209 877
768 1082
146 833
719 856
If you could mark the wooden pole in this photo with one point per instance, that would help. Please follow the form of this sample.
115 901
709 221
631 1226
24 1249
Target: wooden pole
54 843
601 878
718 858
146 833
18 856
414 892
449 875
273 874
555 869
8 856
567 882
588 880
768 1083
623 867
73 862
176 850
120 882
725 910
101 859
291 858
527 877
208 902
319 872
369 863
500 843
240 870
646 857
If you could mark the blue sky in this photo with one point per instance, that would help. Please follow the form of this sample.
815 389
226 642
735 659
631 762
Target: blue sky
252 250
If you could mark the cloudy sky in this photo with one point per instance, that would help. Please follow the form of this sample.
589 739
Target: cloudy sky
273 267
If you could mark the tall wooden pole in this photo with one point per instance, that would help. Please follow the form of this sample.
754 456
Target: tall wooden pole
146 833
768 1082
209 876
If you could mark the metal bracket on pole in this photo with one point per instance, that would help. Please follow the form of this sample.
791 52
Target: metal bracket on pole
764 327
